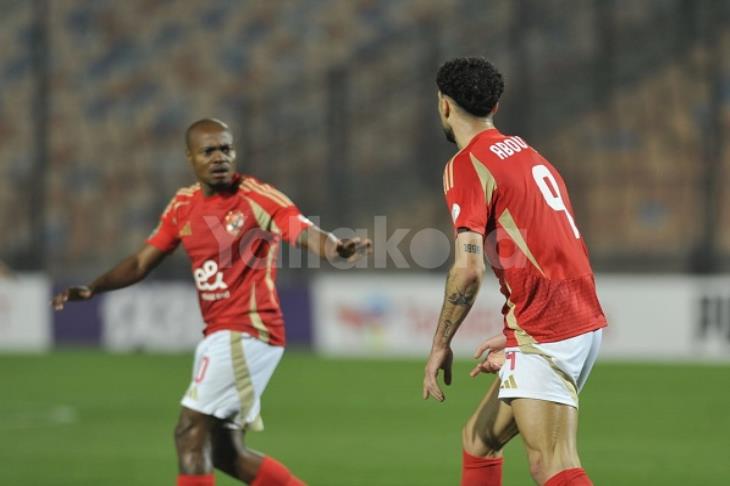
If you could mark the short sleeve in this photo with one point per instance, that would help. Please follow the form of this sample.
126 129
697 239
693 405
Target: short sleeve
291 223
275 211
465 196
166 236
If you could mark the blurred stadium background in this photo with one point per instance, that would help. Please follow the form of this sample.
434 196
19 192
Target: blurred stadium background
334 102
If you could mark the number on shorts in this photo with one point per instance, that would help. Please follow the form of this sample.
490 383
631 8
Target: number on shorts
552 197
202 369
511 356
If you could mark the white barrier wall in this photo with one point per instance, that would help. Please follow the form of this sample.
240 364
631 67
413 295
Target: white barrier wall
151 317
365 315
25 313
650 318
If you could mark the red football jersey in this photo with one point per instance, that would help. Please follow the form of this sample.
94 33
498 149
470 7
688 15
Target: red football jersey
502 188
232 241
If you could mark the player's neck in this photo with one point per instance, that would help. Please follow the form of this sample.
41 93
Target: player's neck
209 190
466 129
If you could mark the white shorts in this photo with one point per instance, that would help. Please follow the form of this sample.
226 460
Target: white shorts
230 374
555 372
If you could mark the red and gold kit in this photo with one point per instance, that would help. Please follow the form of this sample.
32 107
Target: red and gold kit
502 188
232 240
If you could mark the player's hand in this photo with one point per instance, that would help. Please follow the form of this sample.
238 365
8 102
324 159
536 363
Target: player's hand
440 359
494 347
354 249
72 293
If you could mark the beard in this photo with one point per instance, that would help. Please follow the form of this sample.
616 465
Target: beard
449 133
221 184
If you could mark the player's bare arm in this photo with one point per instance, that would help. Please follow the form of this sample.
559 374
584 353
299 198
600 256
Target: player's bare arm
128 272
328 246
462 286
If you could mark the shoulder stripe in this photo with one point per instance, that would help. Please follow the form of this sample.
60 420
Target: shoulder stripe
273 190
487 180
267 191
168 208
188 191
263 218
262 192
451 172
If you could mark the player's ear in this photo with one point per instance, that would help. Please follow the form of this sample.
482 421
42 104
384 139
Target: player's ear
444 105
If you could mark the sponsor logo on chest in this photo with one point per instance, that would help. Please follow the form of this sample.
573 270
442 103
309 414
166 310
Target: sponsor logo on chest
209 281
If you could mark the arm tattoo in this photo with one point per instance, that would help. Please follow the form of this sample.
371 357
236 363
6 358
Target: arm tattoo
448 330
462 298
471 248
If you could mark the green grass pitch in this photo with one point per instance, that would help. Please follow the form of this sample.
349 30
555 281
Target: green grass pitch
90 418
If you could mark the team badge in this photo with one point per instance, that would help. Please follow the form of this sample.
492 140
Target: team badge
234 222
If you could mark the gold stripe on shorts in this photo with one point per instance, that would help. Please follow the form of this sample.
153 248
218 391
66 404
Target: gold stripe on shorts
564 377
242 376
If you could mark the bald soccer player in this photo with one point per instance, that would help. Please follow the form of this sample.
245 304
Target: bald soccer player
231 226
510 205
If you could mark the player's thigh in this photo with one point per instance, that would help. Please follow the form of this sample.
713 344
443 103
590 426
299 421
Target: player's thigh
193 430
230 375
548 430
491 426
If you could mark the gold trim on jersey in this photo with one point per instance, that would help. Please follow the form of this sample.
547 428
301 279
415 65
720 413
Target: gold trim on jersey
522 337
266 223
256 321
186 230
267 191
451 172
263 218
269 267
509 225
242 376
527 345
189 190
174 203
489 183
449 175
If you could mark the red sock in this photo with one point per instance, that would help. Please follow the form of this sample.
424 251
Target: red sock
481 471
203 480
570 477
274 473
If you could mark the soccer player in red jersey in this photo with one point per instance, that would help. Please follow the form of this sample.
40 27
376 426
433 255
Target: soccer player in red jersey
510 205
231 226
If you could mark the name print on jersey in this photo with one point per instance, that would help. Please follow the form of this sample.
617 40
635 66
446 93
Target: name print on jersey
508 147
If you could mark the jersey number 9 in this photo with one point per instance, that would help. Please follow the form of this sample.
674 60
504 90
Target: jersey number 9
552 196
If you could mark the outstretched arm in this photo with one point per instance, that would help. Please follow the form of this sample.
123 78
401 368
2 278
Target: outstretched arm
328 246
462 286
129 271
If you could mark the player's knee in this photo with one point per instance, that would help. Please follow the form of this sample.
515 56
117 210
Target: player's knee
546 463
480 443
536 460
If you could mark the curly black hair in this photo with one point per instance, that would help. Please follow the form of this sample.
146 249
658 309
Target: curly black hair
473 82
